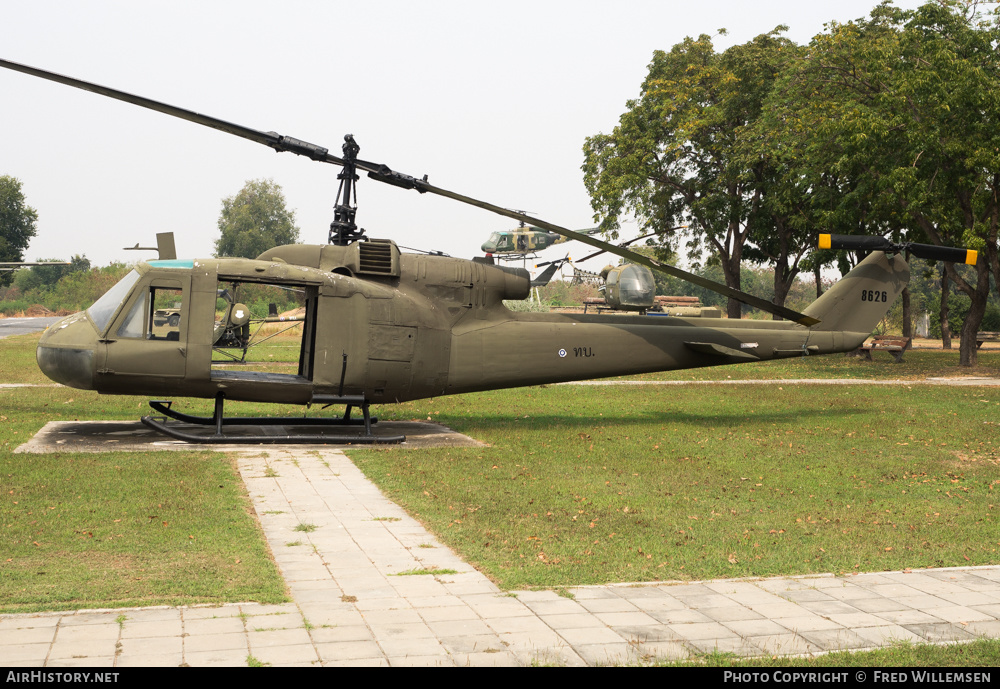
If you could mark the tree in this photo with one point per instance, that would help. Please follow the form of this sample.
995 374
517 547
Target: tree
17 223
255 220
894 123
683 153
49 275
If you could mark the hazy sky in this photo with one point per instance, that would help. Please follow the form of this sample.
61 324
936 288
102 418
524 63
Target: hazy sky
491 100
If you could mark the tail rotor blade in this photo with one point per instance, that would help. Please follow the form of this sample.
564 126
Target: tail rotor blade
854 243
951 254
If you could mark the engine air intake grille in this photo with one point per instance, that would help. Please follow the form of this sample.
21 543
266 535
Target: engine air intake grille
375 256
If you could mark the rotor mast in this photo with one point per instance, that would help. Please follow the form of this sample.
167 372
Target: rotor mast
343 229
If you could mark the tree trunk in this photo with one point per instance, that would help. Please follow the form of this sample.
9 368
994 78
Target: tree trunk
780 286
907 317
781 289
968 353
979 294
945 325
731 269
734 309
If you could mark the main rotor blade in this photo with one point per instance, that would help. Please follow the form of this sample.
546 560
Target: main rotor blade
270 139
631 241
598 253
383 173
653 264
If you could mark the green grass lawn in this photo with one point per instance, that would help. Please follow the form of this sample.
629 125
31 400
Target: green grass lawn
17 360
117 529
585 485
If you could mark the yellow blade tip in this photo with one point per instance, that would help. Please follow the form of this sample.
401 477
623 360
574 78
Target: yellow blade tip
824 241
971 257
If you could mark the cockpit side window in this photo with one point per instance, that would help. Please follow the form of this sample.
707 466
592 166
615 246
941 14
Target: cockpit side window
156 315
104 308
168 310
134 322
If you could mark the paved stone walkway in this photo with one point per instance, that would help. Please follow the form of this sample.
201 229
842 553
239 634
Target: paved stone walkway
353 606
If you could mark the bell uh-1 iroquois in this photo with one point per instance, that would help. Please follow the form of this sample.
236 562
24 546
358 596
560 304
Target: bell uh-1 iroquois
381 326
524 241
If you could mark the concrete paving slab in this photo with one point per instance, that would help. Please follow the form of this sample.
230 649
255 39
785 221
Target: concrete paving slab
752 628
784 645
940 632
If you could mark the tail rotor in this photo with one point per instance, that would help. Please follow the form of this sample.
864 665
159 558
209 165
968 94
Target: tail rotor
929 252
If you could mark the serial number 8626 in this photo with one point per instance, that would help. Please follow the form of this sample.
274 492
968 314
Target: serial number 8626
874 295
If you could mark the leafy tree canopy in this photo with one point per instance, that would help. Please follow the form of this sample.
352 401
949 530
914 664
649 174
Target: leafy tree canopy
48 275
17 223
255 220
684 152
893 123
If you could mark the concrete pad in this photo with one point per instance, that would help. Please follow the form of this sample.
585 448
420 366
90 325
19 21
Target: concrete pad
132 436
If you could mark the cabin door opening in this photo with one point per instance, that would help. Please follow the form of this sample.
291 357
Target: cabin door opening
264 330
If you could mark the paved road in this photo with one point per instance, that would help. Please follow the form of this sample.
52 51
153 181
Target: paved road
22 326
352 607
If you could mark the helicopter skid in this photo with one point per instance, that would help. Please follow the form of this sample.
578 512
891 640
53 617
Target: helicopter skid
244 436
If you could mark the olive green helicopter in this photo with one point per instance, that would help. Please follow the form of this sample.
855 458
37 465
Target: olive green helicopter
376 325
625 287
524 242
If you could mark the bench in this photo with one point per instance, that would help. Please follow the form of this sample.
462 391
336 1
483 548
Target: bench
594 302
986 336
885 343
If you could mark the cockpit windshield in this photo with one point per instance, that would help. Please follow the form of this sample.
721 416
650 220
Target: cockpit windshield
636 286
105 307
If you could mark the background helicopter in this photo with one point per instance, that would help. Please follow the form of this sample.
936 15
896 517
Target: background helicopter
524 242
625 287
381 326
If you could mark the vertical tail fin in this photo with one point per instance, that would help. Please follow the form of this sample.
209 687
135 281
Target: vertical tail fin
546 275
862 297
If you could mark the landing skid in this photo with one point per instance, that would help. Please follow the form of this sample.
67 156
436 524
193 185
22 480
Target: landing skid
160 425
